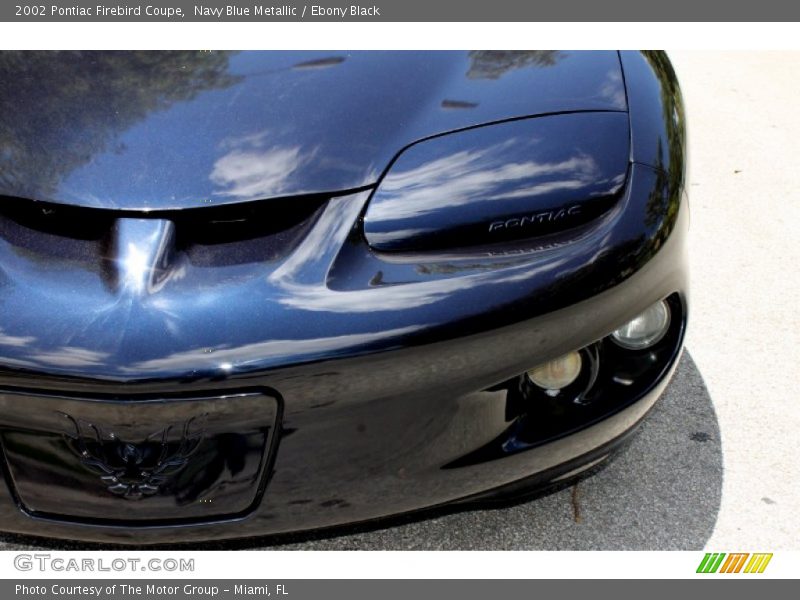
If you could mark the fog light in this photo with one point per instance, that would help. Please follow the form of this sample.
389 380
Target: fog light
557 373
644 330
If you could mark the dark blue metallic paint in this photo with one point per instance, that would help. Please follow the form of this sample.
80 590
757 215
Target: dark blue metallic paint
379 361
518 179
154 131
658 122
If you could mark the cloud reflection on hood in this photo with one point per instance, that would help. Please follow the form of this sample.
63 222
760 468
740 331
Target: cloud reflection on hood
251 168
477 175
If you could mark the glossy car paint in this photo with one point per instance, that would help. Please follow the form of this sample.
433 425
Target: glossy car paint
384 366
518 179
160 131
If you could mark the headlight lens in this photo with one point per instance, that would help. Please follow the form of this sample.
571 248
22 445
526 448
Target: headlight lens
500 183
645 329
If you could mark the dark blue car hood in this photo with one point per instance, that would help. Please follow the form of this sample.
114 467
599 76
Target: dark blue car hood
160 131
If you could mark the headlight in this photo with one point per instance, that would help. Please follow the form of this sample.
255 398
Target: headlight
645 329
500 183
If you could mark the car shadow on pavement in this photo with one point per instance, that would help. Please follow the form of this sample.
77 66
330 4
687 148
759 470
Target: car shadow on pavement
661 492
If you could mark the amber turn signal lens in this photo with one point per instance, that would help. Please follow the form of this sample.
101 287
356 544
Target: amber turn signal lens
557 373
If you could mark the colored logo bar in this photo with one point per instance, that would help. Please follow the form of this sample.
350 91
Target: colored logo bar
734 562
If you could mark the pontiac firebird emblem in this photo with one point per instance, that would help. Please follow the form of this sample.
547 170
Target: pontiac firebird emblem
134 470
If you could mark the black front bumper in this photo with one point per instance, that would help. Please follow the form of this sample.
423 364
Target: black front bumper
384 382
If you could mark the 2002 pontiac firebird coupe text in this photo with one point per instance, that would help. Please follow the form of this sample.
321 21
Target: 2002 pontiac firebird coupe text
254 293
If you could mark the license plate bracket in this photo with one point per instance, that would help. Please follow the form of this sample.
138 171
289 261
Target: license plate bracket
129 460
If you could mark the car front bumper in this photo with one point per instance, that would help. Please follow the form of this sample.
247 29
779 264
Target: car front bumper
376 393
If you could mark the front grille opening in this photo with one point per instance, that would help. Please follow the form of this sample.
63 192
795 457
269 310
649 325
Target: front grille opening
246 233
254 232
52 231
